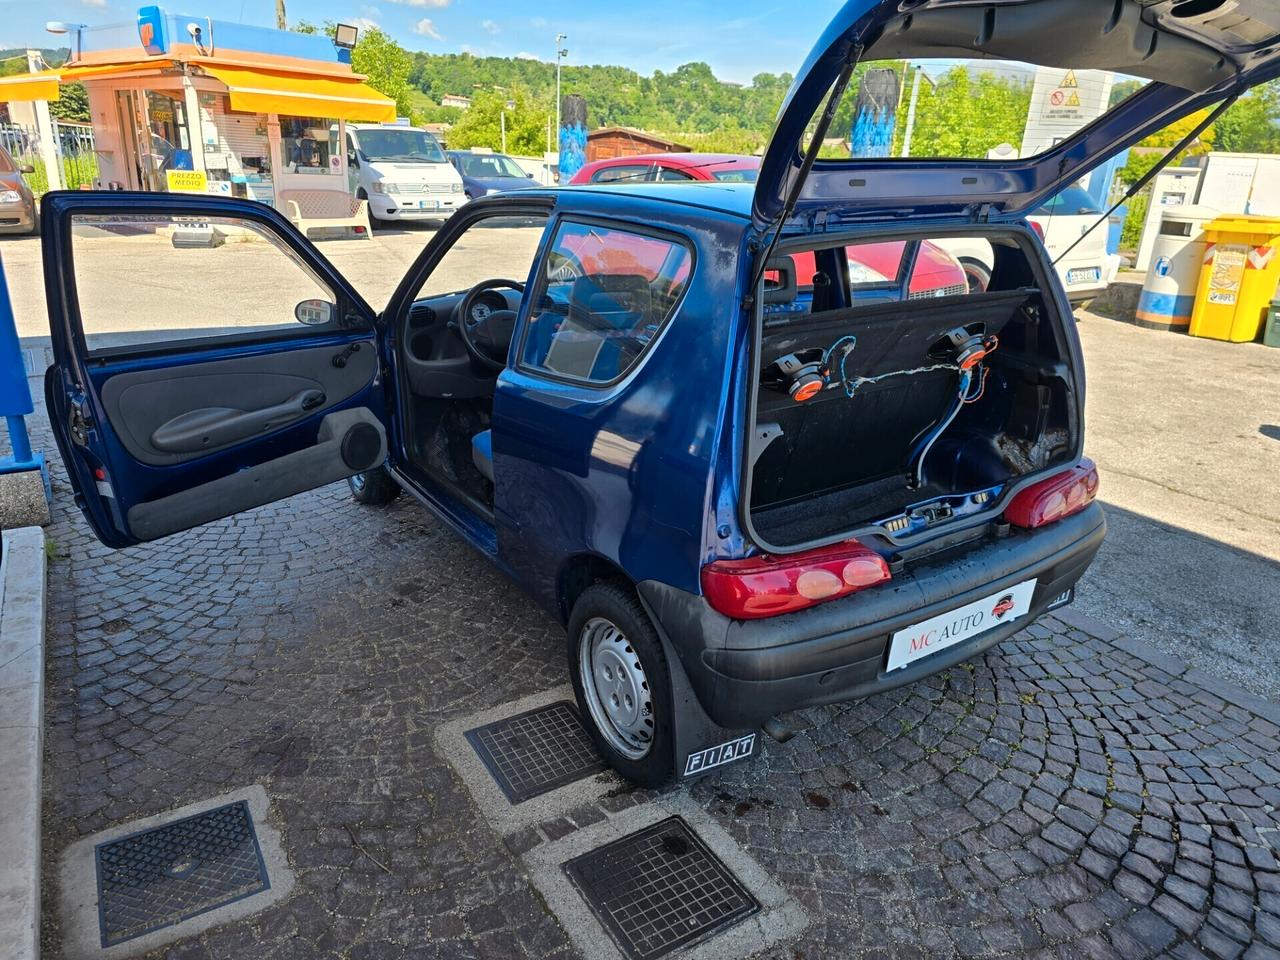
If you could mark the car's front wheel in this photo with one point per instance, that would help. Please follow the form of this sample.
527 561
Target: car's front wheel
622 683
374 487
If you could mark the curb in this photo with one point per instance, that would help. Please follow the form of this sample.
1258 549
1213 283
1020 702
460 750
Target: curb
1174 666
22 616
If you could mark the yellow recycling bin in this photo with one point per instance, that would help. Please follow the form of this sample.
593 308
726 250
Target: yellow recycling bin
1242 271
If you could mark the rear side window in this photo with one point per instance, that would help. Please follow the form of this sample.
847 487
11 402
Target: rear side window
604 296
625 174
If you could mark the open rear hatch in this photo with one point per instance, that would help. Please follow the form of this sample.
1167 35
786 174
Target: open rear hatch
1184 54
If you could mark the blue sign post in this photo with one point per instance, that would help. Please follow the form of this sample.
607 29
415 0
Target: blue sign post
15 396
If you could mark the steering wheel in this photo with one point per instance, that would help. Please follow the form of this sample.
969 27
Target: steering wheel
487 340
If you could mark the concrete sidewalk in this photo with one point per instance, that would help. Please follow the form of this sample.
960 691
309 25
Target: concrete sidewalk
22 595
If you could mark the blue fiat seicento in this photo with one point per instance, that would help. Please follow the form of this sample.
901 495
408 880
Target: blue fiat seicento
747 441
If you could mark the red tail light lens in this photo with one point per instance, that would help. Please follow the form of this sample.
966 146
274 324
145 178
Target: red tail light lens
1038 229
767 586
1053 499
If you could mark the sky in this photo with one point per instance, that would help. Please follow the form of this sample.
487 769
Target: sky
739 38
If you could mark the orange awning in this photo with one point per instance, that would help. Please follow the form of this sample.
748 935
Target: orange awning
44 85
256 90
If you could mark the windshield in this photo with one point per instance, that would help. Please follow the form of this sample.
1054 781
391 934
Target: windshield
402 143
968 109
488 165
1071 202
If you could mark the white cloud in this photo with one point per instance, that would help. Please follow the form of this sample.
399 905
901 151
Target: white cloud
94 3
425 28
490 27
538 23
433 4
526 55
364 23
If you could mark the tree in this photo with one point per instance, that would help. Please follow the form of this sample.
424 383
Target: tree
526 120
378 57
1252 125
72 104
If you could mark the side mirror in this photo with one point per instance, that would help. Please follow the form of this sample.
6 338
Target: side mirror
353 160
26 168
314 313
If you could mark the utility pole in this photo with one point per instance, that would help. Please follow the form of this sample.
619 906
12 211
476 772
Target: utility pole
561 53
46 131
281 23
503 118
911 110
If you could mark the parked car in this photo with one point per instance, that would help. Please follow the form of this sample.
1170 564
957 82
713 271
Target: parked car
1061 222
403 173
670 168
18 213
736 505
484 174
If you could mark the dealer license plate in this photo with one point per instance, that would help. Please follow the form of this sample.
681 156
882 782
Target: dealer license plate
428 204
947 629
1084 275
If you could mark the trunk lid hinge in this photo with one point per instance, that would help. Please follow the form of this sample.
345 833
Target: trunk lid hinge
981 212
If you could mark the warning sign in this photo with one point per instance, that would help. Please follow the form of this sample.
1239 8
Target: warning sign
1062 103
1069 82
1229 263
187 181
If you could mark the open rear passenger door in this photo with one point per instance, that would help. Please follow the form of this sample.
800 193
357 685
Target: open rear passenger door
207 359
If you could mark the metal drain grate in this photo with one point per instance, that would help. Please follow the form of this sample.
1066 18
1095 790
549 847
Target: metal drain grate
534 753
156 878
660 889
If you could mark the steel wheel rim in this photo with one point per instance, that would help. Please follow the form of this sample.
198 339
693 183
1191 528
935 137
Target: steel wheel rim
616 687
357 482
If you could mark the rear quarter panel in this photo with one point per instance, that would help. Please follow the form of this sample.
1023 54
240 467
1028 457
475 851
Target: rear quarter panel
624 472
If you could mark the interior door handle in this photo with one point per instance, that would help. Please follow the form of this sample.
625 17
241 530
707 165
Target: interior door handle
214 427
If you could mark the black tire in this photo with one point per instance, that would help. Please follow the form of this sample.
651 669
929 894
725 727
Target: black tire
977 273
617 604
374 488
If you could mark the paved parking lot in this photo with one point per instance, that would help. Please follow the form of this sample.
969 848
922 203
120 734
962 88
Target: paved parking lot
1091 788
1061 796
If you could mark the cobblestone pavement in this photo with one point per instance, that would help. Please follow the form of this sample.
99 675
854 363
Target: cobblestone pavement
1066 795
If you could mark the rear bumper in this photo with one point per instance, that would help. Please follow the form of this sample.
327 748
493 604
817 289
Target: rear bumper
745 672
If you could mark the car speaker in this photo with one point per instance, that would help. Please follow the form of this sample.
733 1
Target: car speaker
361 446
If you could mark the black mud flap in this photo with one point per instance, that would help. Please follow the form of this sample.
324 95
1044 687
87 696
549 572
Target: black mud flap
702 746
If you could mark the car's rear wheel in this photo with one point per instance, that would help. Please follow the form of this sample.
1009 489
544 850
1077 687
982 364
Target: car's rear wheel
977 273
622 683
374 487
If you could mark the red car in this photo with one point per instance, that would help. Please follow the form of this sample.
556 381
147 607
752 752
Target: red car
935 272
670 168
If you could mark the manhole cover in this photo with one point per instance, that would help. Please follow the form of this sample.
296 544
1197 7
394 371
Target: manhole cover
660 889
156 878
534 753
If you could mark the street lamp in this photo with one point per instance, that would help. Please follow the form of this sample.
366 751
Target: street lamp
561 53
58 27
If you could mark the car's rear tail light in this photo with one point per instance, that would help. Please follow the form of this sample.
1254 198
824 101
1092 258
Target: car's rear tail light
1053 499
1038 229
766 586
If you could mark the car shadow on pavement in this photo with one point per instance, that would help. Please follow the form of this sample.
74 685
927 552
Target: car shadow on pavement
1189 595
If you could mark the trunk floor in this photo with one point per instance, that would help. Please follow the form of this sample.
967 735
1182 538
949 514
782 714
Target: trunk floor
829 513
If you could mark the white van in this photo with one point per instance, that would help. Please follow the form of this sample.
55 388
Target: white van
1085 272
402 172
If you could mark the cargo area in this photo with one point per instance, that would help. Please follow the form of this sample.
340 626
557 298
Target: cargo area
904 397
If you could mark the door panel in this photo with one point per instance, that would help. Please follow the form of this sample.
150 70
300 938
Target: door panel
170 413
195 394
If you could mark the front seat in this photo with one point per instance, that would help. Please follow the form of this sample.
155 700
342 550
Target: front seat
482 453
